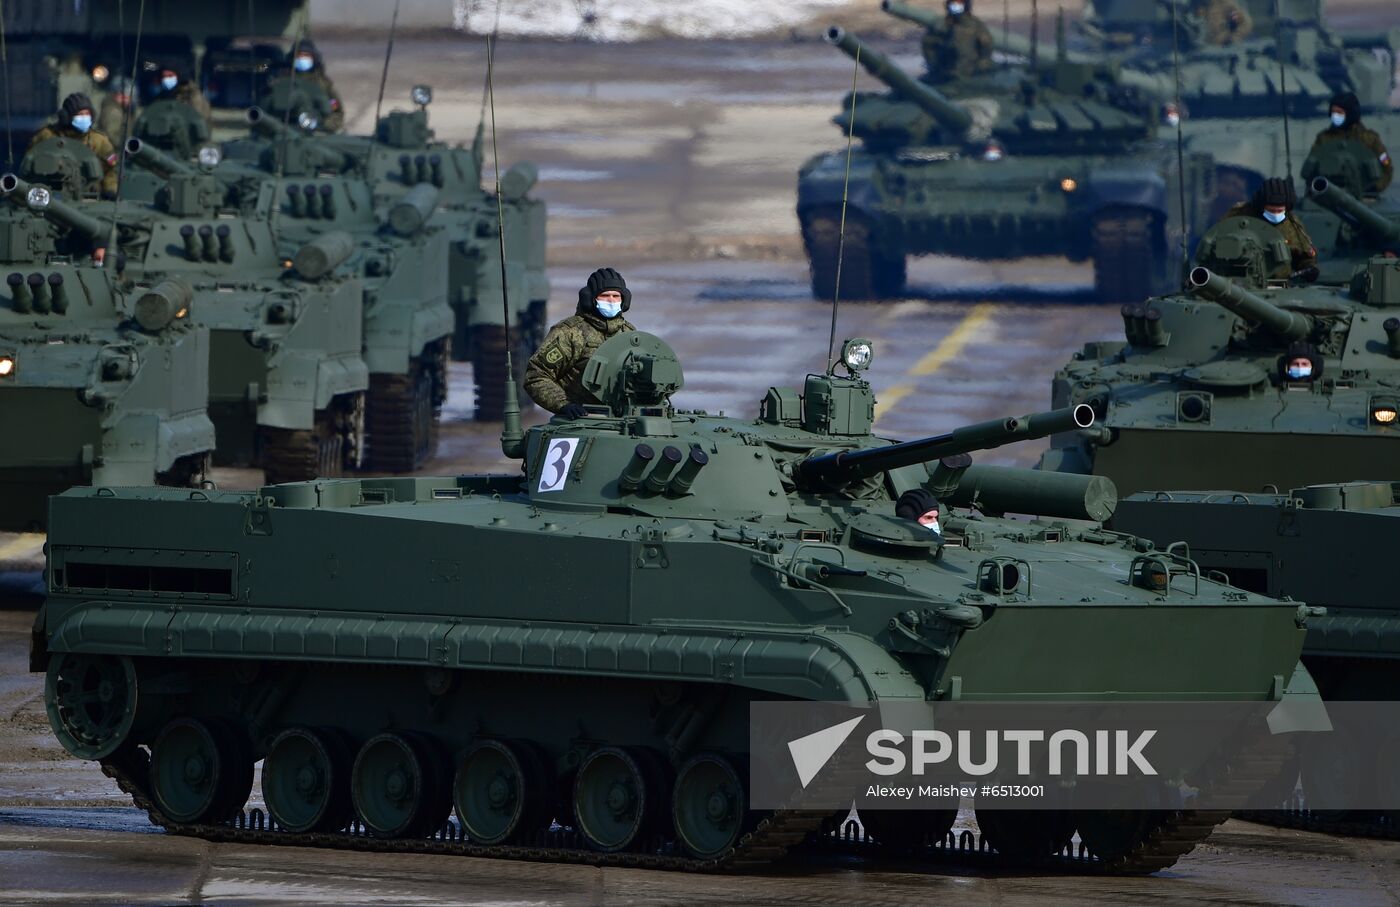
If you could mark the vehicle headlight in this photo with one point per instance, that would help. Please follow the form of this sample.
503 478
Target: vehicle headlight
1384 410
209 156
38 197
422 95
100 73
1069 184
857 354
308 122
7 366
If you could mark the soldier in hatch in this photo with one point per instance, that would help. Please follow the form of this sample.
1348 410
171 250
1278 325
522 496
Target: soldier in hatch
309 66
553 377
1274 202
172 86
1346 125
961 47
1221 22
75 122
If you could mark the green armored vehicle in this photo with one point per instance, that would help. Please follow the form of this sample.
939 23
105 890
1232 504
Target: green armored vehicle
1349 219
581 641
1243 381
402 154
99 384
1048 160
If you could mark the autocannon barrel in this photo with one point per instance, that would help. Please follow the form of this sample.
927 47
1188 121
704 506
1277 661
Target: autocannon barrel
1348 207
40 200
323 255
153 159
413 209
1285 324
845 466
930 100
268 126
919 16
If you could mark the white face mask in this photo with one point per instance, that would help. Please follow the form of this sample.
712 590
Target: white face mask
956 9
608 309
1299 372
82 122
992 154
1275 217
304 64
1338 119
169 83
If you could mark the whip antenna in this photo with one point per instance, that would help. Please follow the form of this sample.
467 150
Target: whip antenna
126 128
384 75
511 433
1180 154
841 232
1283 88
5 63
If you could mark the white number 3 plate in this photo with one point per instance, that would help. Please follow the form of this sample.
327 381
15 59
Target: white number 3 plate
556 463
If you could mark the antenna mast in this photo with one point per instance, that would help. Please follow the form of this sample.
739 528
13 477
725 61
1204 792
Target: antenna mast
512 435
841 232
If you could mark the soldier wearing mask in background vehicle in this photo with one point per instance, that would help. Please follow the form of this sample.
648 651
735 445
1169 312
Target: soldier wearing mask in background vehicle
75 122
1221 22
1346 126
308 66
112 118
173 87
961 47
1274 202
553 377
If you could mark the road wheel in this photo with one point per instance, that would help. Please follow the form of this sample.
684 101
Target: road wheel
907 828
1128 255
617 798
91 702
201 771
306 780
710 805
398 785
1026 834
501 792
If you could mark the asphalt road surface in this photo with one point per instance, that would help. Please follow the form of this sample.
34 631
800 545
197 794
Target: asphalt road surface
674 162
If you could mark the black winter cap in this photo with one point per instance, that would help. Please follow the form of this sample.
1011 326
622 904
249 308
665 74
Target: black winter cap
73 103
914 503
1276 191
600 280
1348 102
1300 349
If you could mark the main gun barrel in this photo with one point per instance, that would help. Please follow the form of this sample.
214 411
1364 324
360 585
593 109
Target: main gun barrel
1281 322
929 99
1350 208
268 126
40 200
843 467
153 159
919 16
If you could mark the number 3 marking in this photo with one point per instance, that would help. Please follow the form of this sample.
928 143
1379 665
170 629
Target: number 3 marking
557 459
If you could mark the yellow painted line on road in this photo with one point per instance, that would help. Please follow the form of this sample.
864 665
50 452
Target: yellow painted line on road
888 397
953 344
27 543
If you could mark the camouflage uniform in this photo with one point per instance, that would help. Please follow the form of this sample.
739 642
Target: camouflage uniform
94 139
1300 244
553 377
1356 132
111 120
335 120
189 93
962 47
1222 21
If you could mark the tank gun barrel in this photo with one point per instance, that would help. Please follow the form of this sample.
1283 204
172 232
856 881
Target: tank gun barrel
929 99
268 126
845 466
41 201
1285 324
923 17
1350 208
153 159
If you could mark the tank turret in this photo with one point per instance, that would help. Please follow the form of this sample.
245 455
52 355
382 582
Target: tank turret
41 200
1378 228
1277 321
952 117
300 155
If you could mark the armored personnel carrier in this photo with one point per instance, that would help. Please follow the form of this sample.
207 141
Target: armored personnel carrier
404 153
98 384
581 641
1054 160
1200 391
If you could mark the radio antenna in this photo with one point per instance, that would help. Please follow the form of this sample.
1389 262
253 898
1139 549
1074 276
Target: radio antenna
841 232
1283 88
1180 153
512 436
384 74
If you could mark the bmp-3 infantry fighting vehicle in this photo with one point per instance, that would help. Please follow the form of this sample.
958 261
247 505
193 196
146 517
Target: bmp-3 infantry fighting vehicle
98 385
581 642
1345 213
1041 161
1244 381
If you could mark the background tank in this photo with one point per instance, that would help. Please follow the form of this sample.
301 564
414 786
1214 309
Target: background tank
229 47
94 387
1055 160
696 564
1197 397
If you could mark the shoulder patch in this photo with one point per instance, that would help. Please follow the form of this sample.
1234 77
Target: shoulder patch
553 355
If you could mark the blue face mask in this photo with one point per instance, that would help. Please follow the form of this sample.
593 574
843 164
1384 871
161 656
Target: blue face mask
1275 217
82 122
304 64
1299 372
956 9
169 83
608 309
1338 119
